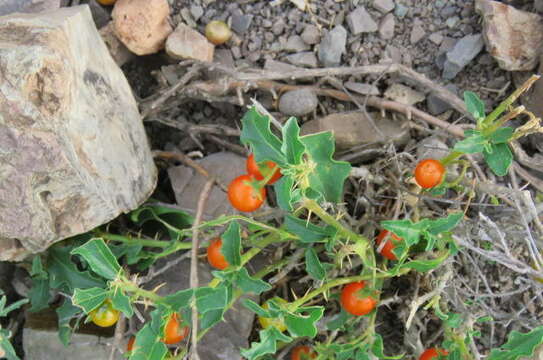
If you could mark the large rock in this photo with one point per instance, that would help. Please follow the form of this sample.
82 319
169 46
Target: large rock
142 25
332 46
513 37
73 151
27 6
354 128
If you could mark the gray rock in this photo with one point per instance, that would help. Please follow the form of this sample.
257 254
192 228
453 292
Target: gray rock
465 50
304 59
296 44
437 106
364 89
538 6
74 151
279 66
42 344
311 34
278 27
452 22
431 148
386 27
241 22
404 94
99 14
298 102
400 10
360 21
355 128
27 6
436 38
332 46
417 33
383 6
196 11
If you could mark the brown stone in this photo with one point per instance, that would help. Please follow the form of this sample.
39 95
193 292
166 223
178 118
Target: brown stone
187 43
513 37
355 128
142 25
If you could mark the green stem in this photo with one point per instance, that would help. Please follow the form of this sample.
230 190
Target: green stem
138 241
337 282
139 292
453 155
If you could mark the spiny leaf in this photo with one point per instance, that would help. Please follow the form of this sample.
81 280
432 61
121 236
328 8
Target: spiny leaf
329 175
292 147
231 244
313 265
267 344
264 144
518 345
100 258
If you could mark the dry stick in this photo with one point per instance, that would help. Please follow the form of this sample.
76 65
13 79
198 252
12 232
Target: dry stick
149 106
170 155
194 283
119 332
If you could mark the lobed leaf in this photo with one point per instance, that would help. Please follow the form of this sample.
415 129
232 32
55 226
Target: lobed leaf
100 258
267 345
307 232
302 322
264 144
231 244
313 265
292 147
519 345
499 158
89 299
474 104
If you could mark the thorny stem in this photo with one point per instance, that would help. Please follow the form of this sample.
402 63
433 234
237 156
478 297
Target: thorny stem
139 241
337 282
136 290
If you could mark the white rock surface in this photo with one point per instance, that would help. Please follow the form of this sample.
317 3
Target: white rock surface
73 151
187 43
142 25
45 345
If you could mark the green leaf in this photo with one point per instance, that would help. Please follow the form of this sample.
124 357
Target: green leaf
328 176
267 345
211 318
302 323
38 271
39 294
89 299
249 284
454 320
179 300
65 275
292 147
208 299
122 303
264 144
254 307
475 105
502 135
445 224
65 313
5 310
407 230
499 158
148 344
518 345
231 244
338 321
100 258
172 220
307 232
5 346
471 145
422 265
283 192
313 265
